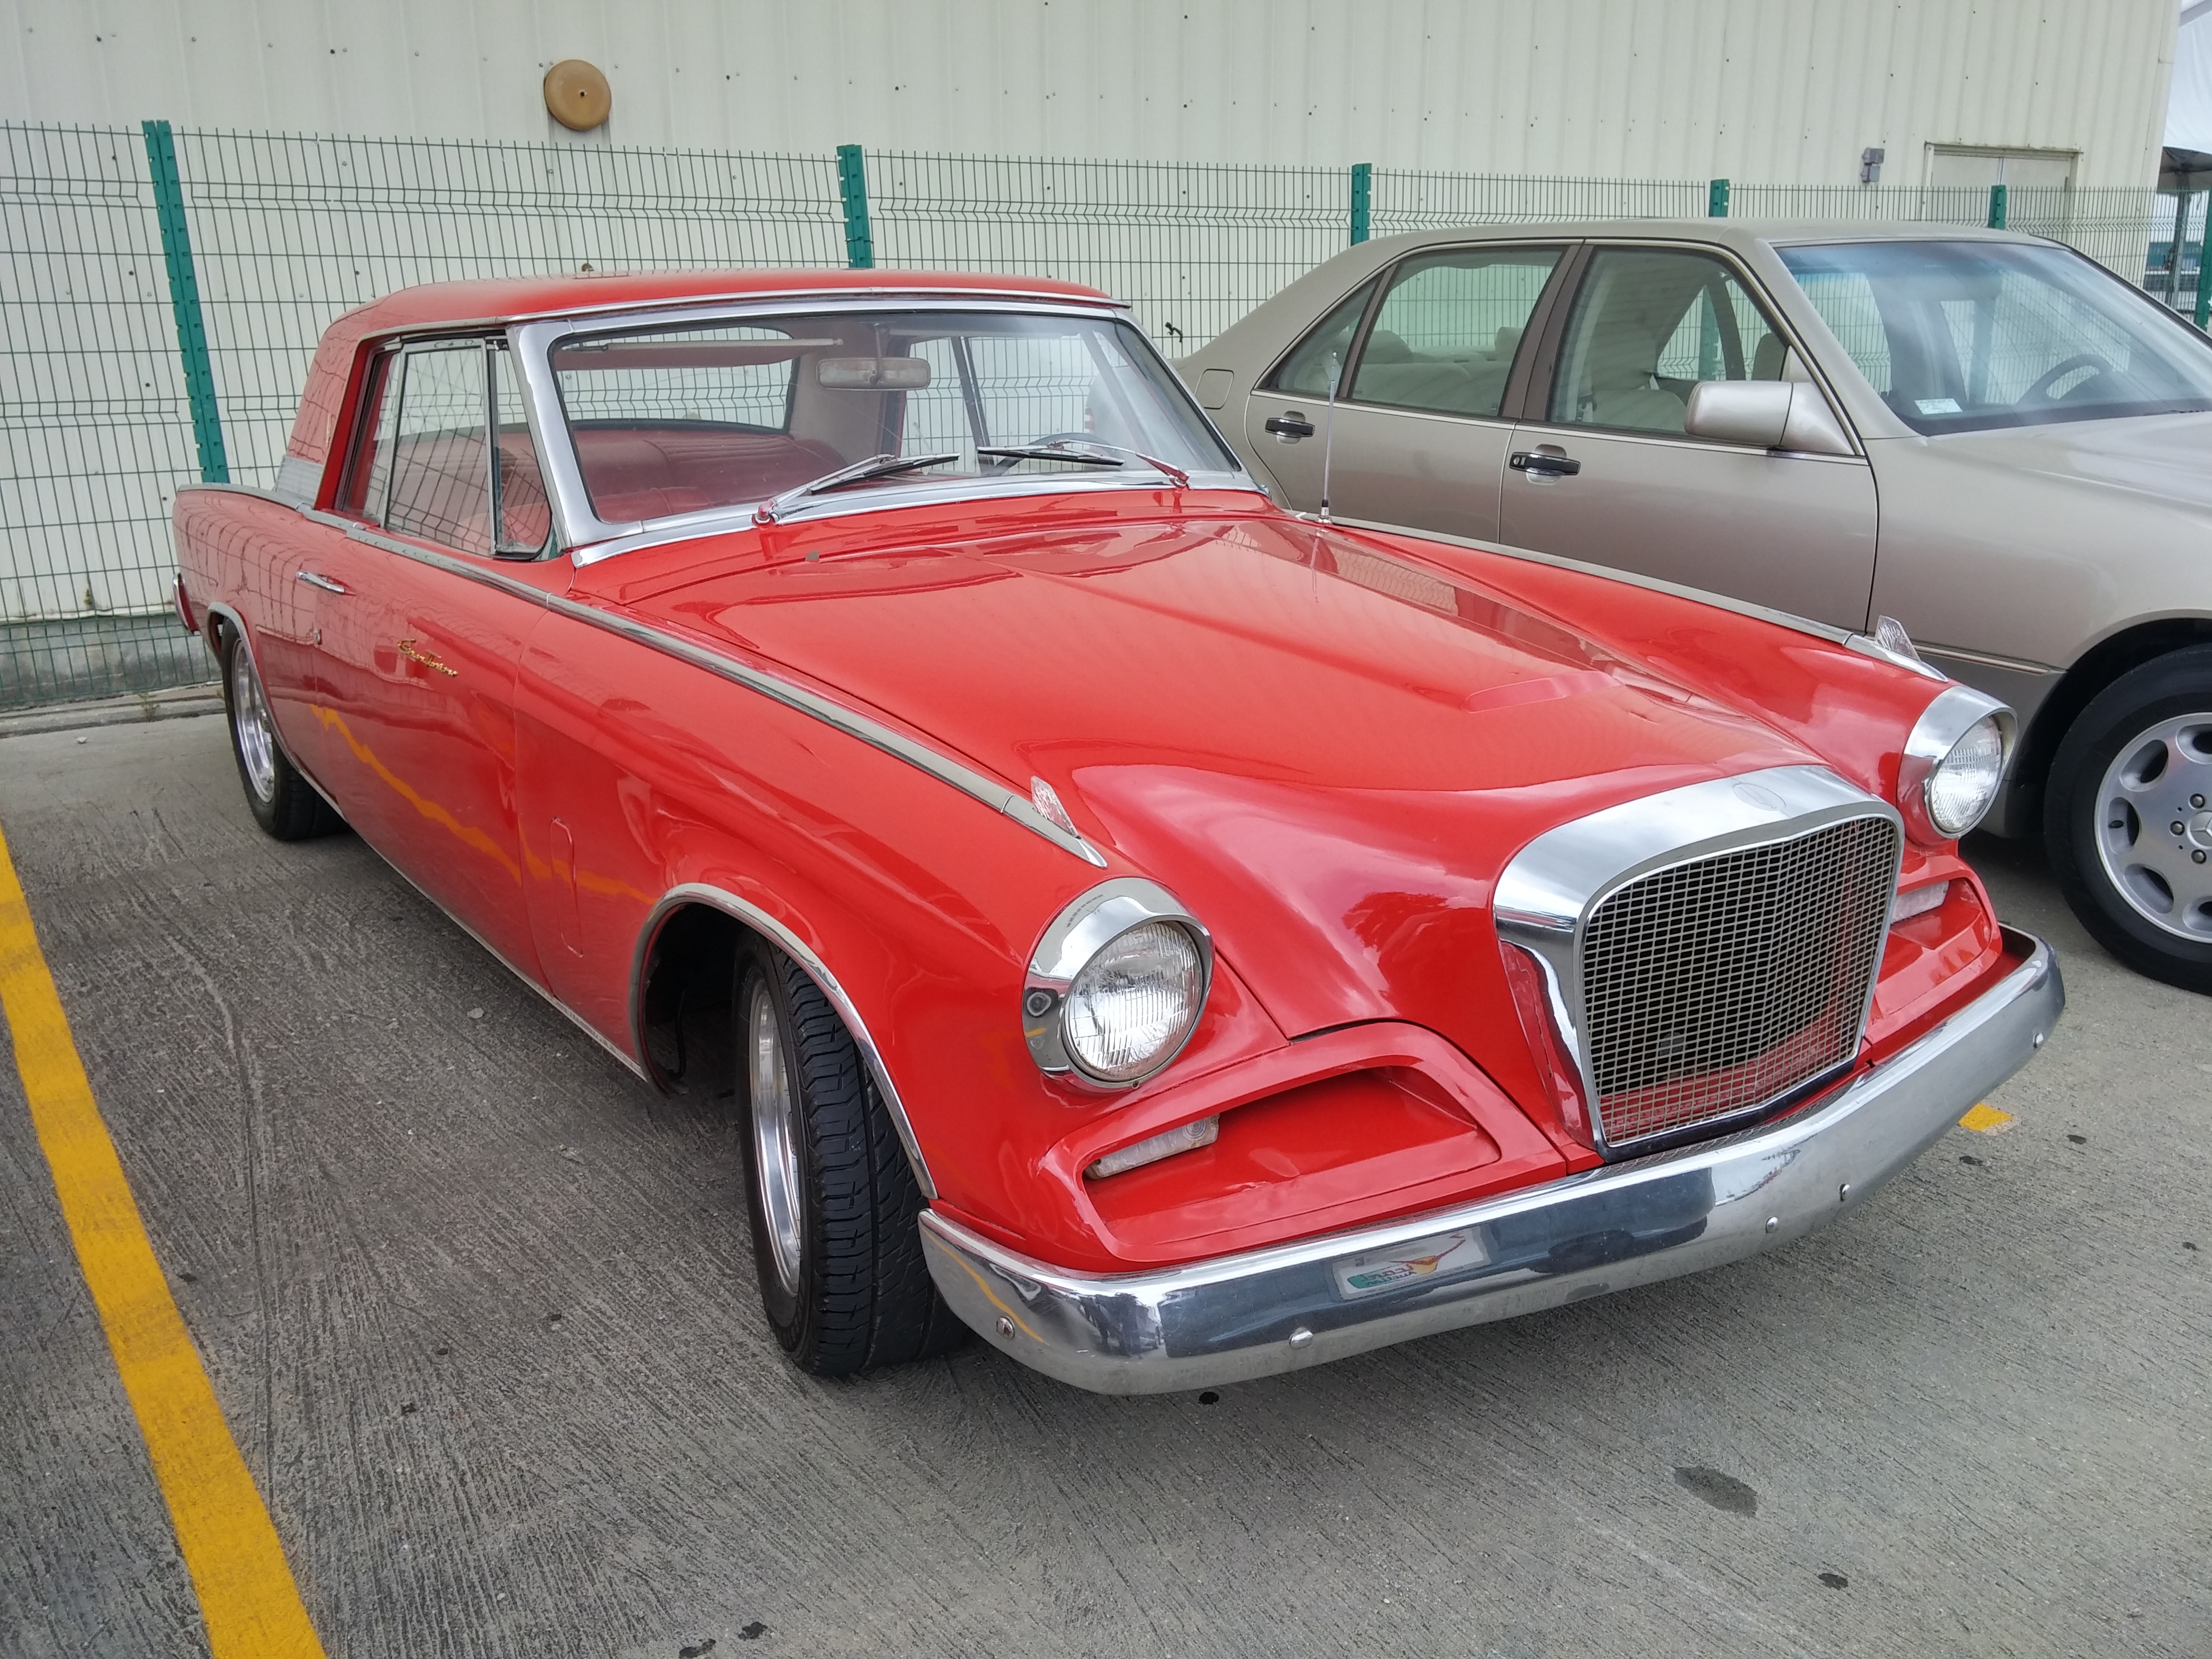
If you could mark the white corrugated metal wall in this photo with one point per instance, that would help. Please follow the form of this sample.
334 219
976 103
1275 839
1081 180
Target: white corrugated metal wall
1765 91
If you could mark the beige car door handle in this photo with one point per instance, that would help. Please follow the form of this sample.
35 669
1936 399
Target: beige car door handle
1543 463
316 579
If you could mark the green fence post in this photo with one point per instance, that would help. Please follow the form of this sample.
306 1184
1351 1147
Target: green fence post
852 191
2203 275
1716 199
1997 207
185 301
1363 199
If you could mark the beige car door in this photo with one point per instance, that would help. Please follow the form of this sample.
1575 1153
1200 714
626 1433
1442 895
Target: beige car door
1419 438
1609 475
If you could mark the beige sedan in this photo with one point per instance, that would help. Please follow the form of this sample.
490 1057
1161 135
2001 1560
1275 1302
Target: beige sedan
1980 434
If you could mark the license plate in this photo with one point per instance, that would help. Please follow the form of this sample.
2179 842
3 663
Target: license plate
1423 1258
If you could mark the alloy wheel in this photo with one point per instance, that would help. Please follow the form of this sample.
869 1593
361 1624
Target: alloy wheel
2154 825
775 1133
249 715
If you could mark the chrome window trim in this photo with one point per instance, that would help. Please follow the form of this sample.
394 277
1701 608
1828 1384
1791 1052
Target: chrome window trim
720 898
1547 893
1083 928
970 782
1954 712
582 533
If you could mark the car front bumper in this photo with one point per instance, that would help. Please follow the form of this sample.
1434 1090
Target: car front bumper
1233 1317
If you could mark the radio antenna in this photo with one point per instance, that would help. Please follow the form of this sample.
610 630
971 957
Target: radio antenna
1328 430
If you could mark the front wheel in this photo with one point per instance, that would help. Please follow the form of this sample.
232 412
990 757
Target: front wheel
284 802
2127 818
836 1209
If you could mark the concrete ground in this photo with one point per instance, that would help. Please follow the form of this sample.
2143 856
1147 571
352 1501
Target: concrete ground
479 1309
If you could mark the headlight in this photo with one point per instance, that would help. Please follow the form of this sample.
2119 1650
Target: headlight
1953 763
1116 985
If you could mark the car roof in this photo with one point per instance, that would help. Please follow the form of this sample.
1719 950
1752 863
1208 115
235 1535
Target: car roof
1742 233
498 300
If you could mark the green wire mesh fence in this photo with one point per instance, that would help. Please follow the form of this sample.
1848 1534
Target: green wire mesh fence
99 353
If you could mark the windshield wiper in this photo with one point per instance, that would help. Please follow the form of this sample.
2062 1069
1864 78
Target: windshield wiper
1011 452
876 466
1071 449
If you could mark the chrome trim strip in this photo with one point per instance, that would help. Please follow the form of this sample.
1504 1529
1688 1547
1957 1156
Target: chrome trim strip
884 498
1232 1318
2011 664
1953 713
943 768
753 916
1086 926
1547 894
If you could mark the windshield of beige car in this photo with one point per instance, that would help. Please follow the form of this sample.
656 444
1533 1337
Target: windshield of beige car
828 405
1958 337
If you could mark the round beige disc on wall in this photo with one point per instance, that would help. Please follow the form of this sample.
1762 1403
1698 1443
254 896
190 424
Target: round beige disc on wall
577 96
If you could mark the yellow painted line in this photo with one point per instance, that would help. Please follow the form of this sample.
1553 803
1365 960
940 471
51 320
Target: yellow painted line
251 1607
1986 1120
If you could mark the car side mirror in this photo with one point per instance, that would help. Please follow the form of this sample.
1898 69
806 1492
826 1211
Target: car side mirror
1765 415
1753 413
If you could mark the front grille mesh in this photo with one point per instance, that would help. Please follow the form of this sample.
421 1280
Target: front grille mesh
1714 987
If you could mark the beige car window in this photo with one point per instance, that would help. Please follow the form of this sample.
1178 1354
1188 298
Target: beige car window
1444 338
1647 325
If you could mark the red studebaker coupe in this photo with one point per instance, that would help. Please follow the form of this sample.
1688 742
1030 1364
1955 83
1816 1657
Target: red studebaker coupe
1179 939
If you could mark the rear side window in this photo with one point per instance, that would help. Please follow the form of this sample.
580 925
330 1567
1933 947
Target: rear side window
1445 337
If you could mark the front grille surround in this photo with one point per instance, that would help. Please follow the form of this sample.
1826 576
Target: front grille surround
1708 954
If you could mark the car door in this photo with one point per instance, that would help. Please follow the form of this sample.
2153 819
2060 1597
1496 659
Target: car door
421 626
1426 352
1606 473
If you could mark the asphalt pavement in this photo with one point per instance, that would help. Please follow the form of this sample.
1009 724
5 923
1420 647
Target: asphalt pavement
478 1308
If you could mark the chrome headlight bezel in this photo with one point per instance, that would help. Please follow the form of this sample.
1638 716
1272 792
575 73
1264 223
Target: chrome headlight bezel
1942 725
1077 935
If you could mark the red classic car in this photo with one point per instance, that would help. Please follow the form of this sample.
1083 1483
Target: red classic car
1180 939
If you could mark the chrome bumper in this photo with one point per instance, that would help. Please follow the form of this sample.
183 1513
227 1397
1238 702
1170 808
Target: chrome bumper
1275 1309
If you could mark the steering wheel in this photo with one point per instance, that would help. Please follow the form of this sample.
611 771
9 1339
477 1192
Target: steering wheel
2059 371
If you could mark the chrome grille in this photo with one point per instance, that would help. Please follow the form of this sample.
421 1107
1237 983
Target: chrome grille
1712 987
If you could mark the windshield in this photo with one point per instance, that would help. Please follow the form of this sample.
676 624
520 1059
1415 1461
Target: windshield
1961 336
687 419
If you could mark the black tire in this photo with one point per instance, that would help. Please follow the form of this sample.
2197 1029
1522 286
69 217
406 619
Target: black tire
284 802
2079 838
847 1290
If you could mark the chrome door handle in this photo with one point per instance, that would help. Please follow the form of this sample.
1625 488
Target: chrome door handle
1542 463
316 579
1291 427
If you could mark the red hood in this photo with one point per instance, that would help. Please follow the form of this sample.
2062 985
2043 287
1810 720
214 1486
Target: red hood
1326 753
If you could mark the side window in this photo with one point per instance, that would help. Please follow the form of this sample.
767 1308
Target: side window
440 481
1649 325
369 472
1445 337
1305 371
525 519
